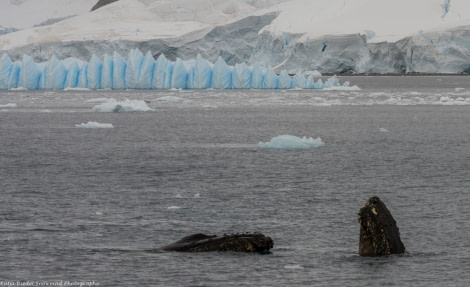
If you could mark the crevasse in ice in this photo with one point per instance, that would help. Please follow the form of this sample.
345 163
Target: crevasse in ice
144 72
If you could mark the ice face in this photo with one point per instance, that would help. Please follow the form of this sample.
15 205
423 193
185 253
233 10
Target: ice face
5 70
107 72
221 75
143 72
30 74
133 70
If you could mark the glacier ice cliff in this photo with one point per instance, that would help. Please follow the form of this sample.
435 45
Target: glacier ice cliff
140 71
442 51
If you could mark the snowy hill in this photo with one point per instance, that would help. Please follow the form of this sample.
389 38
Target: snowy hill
352 36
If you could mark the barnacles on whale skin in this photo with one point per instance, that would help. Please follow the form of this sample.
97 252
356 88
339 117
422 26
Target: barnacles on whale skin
379 234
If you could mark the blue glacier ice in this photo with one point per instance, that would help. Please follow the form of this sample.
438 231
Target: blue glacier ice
56 75
134 64
5 70
94 73
30 74
257 79
119 72
241 77
107 72
221 75
139 71
146 72
180 75
201 75
285 81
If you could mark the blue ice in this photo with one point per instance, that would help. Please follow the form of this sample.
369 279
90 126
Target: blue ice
139 71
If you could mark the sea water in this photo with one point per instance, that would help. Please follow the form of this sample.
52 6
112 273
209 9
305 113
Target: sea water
85 205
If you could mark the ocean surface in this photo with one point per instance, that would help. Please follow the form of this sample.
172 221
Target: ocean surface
85 205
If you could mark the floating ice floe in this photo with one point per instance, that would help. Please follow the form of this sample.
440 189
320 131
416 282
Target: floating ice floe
9 105
292 142
94 125
144 72
113 106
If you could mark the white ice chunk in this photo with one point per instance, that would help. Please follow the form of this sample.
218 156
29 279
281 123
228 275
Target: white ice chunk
111 105
292 142
94 125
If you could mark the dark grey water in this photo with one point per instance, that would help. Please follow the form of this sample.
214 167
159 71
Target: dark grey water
83 205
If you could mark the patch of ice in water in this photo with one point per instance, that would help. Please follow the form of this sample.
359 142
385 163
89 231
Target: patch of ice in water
293 267
111 105
343 88
292 142
96 100
383 130
173 99
9 105
94 125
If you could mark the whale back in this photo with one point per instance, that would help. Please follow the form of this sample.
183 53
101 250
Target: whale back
246 242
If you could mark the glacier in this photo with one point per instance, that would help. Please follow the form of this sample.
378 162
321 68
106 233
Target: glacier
139 71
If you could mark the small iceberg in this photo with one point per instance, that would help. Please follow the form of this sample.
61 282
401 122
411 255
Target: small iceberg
94 125
292 142
113 106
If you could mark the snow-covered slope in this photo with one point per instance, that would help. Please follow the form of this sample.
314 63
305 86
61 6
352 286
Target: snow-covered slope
22 14
357 36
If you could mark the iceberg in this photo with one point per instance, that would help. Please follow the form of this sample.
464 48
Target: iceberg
143 72
292 142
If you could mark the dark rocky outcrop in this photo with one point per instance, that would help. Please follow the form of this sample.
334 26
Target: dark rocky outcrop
379 233
247 242
102 3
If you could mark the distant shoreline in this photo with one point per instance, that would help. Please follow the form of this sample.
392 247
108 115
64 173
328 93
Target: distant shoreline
393 74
